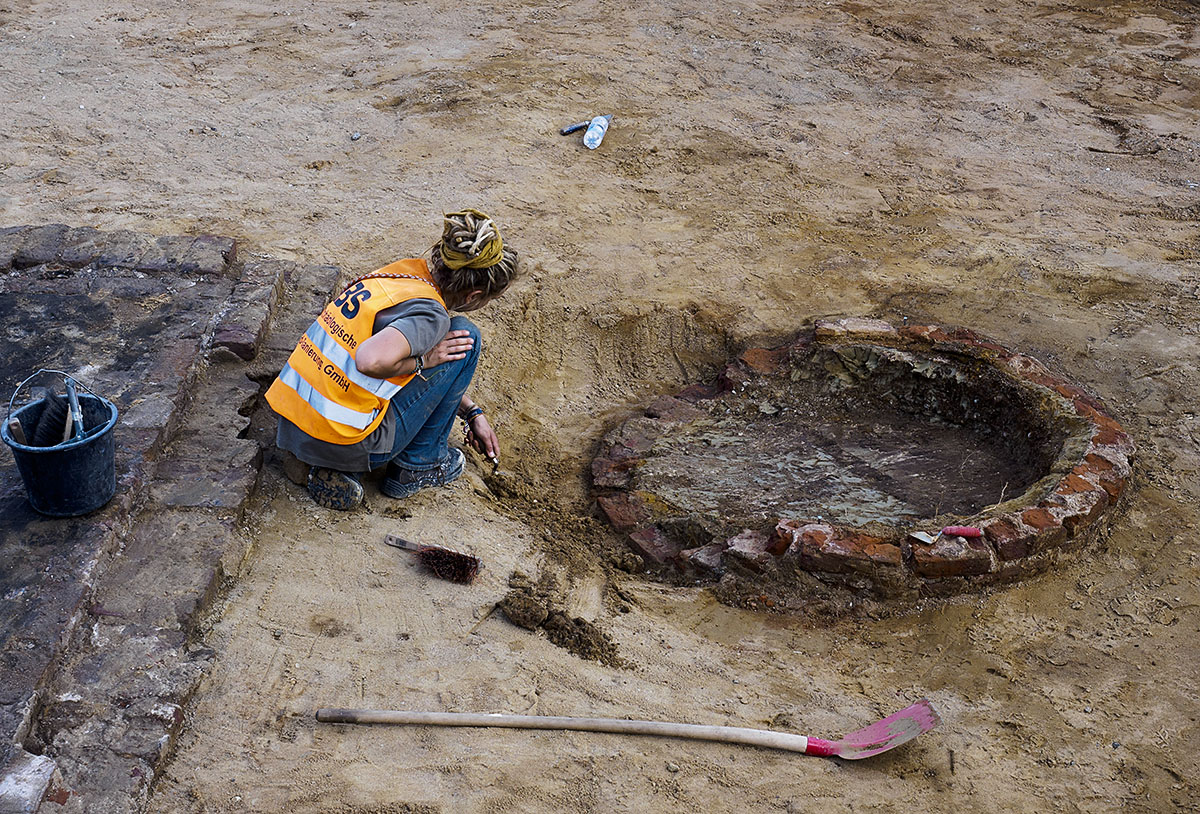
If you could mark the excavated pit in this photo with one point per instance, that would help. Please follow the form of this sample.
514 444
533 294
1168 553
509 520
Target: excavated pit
847 452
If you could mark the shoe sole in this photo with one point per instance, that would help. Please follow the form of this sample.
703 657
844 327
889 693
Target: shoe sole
333 493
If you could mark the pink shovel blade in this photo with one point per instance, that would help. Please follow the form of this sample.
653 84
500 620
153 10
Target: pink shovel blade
894 730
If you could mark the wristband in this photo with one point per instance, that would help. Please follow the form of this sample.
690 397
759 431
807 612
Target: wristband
472 414
420 366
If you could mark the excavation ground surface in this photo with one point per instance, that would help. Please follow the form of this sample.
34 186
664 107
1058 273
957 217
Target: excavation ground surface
1028 171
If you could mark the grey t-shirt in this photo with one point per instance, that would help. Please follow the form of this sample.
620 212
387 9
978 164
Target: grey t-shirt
424 323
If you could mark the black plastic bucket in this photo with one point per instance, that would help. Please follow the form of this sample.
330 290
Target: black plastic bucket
75 477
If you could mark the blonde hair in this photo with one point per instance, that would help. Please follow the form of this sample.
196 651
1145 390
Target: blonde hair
471 256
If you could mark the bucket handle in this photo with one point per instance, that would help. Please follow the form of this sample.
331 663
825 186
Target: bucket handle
37 373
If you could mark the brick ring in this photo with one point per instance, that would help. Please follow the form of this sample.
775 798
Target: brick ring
1081 480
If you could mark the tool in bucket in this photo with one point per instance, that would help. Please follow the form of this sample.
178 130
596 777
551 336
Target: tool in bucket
60 419
449 565
881 736
63 447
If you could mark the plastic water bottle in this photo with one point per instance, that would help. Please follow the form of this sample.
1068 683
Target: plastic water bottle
595 132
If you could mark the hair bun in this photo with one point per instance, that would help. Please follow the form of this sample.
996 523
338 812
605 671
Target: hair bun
470 239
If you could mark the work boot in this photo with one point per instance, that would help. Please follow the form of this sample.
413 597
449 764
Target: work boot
294 469
335 490
402 482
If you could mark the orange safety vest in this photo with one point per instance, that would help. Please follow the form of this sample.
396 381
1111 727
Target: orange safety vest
319 389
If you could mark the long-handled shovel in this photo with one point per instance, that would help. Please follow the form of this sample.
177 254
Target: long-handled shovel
897 728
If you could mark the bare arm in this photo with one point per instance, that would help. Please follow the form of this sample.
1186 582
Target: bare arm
384 355
387 354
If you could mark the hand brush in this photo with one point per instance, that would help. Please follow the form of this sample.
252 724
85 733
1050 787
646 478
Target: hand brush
444 563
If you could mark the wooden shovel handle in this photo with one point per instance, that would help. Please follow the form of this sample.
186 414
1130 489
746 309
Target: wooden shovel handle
723 734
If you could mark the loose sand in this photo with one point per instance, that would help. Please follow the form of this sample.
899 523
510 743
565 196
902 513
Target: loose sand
1026 169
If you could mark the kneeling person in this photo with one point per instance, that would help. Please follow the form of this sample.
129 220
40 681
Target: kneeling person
378 378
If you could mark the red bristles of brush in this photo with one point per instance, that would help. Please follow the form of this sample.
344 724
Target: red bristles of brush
449 565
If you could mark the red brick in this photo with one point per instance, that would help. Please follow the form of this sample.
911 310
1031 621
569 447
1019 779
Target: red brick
785 535
1073 484
1039 518
1010 541
1095 463
1050 533
1050 538
750 547
637 435
781 539
1091 506
815 535
860 546
888 554
652 544
624 511
1029 368
997 350
1086 406
821 547
1109 436
924 333
1105 420
804 535
614 470
952 557
1113 487
819 558
966 336
1118 454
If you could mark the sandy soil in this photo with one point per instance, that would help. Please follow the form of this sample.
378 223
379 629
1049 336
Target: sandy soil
1027 169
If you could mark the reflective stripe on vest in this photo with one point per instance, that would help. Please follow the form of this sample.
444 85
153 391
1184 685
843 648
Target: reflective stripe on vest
332 350
326 407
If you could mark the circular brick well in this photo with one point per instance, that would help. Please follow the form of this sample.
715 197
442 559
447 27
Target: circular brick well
849 452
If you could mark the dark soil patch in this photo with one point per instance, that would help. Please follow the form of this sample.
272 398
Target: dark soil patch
533 606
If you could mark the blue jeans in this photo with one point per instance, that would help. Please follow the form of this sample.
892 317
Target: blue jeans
425 409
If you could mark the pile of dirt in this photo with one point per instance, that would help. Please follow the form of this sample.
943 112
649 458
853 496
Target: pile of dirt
798 594
533 606
572 540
